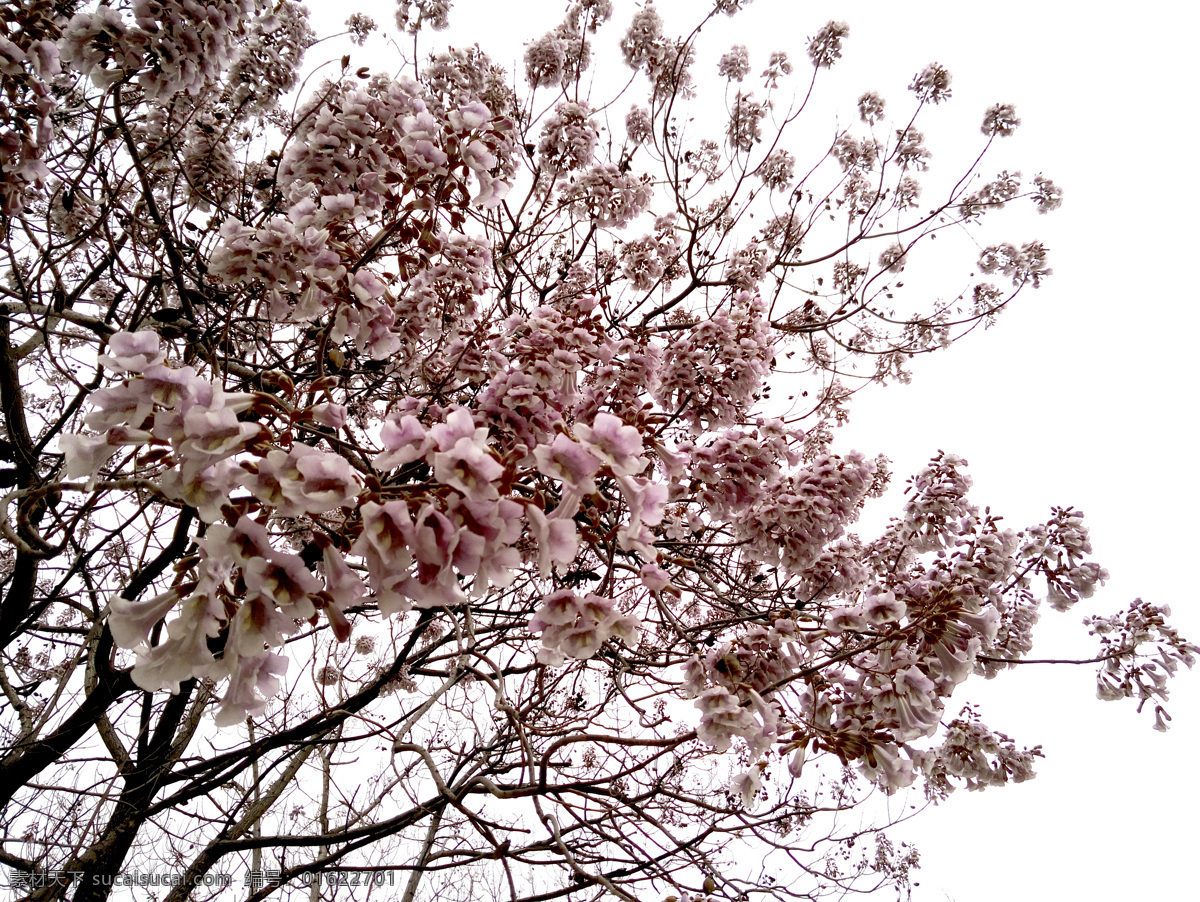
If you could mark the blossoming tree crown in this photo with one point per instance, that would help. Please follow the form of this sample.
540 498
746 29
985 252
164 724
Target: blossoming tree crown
394 481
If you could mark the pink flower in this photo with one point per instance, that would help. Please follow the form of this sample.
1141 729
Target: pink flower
550 657
579 627
385 541
343 588
625 629
213 434
132 621
246 541
722 718
885 765
121 405
132 352
491 191
985 624
339 205
478 157
367 286
694 673
403 442
85 455
178 388
256 625
207 490
616 444
747 785
557 538
597 609
842 620
646 502
485 544
427 155
582 641
557 609
570 462
654 577
254 680
303 480
434 538
328 481
881 607
498 568
458 424
184 654
468 468
285 581
442 591
329 415
470 116
954 650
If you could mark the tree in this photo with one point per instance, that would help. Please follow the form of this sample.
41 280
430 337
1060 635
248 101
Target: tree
396 490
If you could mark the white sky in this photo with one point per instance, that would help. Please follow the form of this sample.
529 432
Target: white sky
1082 394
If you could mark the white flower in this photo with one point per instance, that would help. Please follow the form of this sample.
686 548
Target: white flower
132 621
747 785
132 352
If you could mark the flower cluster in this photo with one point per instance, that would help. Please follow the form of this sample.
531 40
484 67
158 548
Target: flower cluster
654 259
423 553
161 405
411 15
608 196
852 154
871 108
1048 195
735 65
1024 264
1001 119
745 122
910 150
29 60
568 138
932 84
545 59
360 152
208 164
714 370
269 58
1124 673
734 683
778 65
826 48
575 627
891 258
643 40
807 512
977 756
638 125
777 170
171 45
992 196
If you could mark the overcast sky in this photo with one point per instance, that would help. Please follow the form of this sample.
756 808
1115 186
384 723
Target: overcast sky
1083 394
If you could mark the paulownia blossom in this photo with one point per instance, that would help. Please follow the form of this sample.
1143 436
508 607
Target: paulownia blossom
485 437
